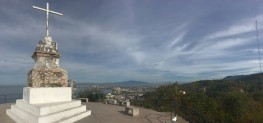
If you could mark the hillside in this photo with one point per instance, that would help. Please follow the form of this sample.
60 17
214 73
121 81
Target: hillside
249 83
229 100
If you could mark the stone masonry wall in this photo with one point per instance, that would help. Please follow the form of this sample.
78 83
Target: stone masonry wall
46 71
48 77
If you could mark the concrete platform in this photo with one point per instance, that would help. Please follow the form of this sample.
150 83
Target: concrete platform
103 113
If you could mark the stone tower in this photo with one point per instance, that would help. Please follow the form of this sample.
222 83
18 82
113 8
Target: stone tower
47 72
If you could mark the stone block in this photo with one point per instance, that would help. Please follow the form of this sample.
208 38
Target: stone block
127 104
132 110
84 99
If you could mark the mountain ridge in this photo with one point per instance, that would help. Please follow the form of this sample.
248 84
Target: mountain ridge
130 83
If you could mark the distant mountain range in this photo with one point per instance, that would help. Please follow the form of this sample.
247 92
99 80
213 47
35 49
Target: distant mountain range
234 77
131 83
251 77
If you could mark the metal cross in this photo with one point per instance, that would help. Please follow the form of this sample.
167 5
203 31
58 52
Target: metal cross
47 11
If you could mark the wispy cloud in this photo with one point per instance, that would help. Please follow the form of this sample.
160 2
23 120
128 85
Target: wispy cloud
147 40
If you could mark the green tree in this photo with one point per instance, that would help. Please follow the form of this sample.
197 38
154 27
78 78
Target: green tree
93 94
233 105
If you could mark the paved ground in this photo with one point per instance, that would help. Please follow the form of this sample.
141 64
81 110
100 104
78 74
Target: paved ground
106 113
116 114
3 117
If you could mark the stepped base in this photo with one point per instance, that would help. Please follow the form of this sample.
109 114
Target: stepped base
55 112
48 113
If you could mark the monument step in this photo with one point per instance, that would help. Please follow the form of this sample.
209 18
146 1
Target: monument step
75 117
17 118
24 116
63 114
28 117
44 109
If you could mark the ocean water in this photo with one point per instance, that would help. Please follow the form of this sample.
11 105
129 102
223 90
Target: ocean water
10 93
11 89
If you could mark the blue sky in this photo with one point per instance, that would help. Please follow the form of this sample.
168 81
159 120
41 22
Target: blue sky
146 40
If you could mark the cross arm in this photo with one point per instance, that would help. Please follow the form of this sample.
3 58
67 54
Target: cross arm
56 13
39 8
47 10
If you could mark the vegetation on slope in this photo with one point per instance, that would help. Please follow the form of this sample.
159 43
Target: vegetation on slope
238 100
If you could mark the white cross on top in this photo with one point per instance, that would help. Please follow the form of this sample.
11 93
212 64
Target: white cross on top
47 11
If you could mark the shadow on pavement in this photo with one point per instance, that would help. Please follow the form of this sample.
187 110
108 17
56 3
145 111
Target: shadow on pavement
124 113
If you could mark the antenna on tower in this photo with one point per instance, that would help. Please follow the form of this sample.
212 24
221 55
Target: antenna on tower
259 56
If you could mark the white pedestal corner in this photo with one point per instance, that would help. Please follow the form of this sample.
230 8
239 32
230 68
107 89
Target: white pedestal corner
47 105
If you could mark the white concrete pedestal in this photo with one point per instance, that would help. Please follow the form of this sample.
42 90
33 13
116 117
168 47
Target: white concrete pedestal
46 95
47 105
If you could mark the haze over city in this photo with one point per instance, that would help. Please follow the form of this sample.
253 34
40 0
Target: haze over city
146 40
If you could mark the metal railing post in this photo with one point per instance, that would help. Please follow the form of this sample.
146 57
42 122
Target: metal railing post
9 97
5 99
